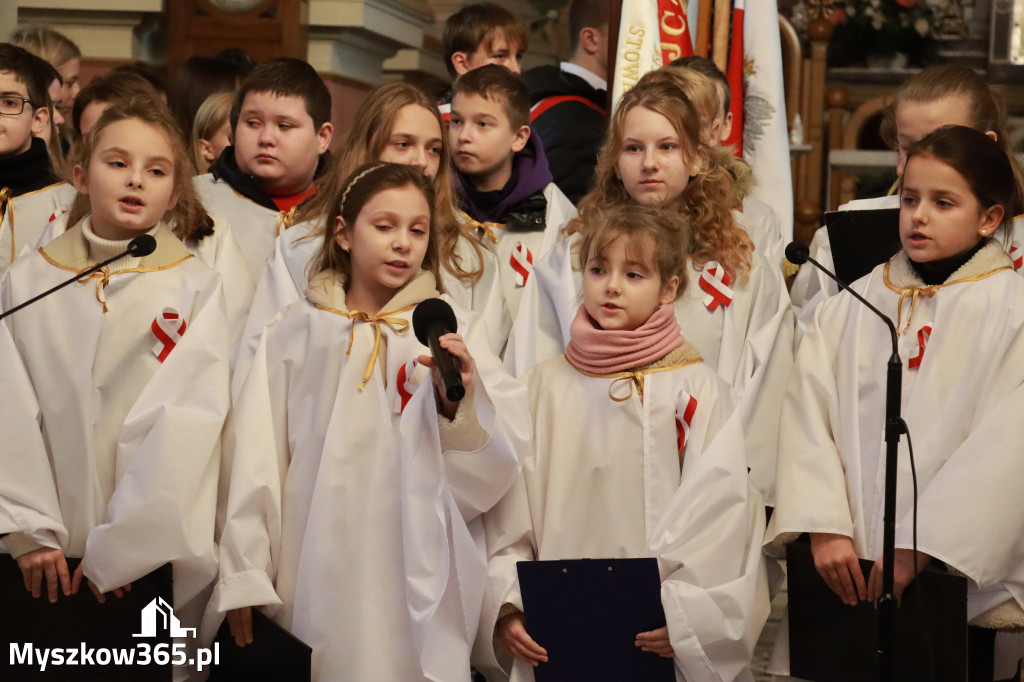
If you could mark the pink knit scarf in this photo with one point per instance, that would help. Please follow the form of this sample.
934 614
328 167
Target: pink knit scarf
603 351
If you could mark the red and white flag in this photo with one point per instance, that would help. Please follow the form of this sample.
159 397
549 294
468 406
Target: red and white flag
923 334
684 420
765 130
734 74
167 327
714 281
522 262
651 33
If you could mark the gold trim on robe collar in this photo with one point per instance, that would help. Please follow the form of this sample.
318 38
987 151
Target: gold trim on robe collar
927 291
635 378
70 252
326 291
391 318
487 228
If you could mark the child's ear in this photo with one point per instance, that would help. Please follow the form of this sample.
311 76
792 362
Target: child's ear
324 136
991 218
206 150
521 137
341 235
460 61
668 290
80 180
40 121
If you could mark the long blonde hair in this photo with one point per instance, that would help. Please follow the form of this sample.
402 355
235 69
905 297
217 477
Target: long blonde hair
212 114
365 142
44 42
951 80
188 218
710 195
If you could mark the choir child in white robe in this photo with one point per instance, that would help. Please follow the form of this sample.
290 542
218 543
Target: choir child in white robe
756 217
734 308
397 123
655 469
506 193
946 94
959 309
356 488
281 131
128 383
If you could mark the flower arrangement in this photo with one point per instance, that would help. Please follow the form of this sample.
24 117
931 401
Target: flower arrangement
884 28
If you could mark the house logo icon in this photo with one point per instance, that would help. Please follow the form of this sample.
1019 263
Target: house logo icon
158 614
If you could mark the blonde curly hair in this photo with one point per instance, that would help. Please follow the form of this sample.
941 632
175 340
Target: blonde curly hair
710 195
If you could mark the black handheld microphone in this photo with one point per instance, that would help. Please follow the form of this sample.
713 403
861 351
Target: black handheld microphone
432 319
143 245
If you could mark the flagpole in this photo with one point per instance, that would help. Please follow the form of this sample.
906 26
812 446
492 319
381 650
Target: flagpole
723 8
703 28
614 19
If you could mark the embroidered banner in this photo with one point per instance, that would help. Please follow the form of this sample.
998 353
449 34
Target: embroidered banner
167 327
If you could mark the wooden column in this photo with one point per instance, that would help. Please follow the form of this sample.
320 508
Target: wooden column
807 216
838 101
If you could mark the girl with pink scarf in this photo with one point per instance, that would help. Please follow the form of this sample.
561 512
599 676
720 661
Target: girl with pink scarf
637 451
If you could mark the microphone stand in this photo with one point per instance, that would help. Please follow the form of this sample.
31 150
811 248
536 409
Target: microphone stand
894 428
137 246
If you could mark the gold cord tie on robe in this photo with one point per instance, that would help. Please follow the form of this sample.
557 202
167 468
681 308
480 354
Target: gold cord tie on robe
102 278
285 219
487 228
633 379
916 293
7 207
399 325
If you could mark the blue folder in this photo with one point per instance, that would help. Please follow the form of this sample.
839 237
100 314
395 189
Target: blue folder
587 613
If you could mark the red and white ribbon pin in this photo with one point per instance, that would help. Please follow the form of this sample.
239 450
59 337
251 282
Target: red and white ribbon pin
714 281
683 425
923 334
167 327
522 262
404 383
56 214
1017 255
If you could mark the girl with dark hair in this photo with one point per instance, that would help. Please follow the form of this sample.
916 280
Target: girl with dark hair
959 309
946 94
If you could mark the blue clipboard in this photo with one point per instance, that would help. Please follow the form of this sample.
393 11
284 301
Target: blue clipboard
587 613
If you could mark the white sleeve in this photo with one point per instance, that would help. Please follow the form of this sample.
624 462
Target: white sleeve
164 504
708 545
256 444
28 494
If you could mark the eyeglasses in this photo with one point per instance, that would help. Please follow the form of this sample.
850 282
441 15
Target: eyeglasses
12 105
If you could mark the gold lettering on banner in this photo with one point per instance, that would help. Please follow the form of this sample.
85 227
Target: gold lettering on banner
672 30
672 51
631 56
